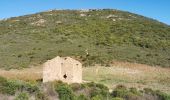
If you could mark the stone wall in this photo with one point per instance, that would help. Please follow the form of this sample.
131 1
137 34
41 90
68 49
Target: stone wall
65 69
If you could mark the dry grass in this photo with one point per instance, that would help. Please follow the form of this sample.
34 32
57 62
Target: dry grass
131 75
27 74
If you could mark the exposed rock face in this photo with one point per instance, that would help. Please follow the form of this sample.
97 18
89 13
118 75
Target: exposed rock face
65 69
39 22
82 15
111 16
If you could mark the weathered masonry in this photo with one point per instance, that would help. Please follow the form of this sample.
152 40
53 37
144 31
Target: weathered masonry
65 69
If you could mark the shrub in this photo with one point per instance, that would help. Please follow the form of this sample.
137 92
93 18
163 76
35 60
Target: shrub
148 91
131 96
134 91
117 98
31 88
81 97
103 87
22 96
40 96
161 95
128 94
11 86
120 91
64 91
8 87
96 85
98 89
97 97
3 81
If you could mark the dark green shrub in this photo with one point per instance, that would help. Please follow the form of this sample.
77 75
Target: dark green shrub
64 91
97 89
117 98
131 96
120 91
148 91
22 96
96 85
127 94
30 88
8 87
103 87
81 97
134 91
40 96
97 97
161 95
3 82
11 87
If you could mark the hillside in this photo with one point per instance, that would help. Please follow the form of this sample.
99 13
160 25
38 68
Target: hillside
107 35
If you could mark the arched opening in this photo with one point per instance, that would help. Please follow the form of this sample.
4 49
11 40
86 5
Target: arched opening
65 76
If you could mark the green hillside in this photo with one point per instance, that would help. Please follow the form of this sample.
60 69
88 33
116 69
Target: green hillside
107 35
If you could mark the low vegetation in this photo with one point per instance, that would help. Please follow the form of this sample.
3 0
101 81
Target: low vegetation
105 34
129 74
87 91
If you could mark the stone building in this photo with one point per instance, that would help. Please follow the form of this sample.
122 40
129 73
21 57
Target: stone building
65 69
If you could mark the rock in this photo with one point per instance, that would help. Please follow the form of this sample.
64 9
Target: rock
111 16
39 22
59 22
82 15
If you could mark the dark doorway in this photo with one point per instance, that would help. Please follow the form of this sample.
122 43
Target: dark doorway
65 76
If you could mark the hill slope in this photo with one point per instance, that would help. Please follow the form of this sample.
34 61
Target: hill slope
106 35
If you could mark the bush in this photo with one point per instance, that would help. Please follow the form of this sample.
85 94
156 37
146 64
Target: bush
131 96
161 95
40 96
134 91
81 97
120 91
3 82
31 88
64 91
96 85
97 90
148 91
22 96
97 97
8 87
11 87
117 98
